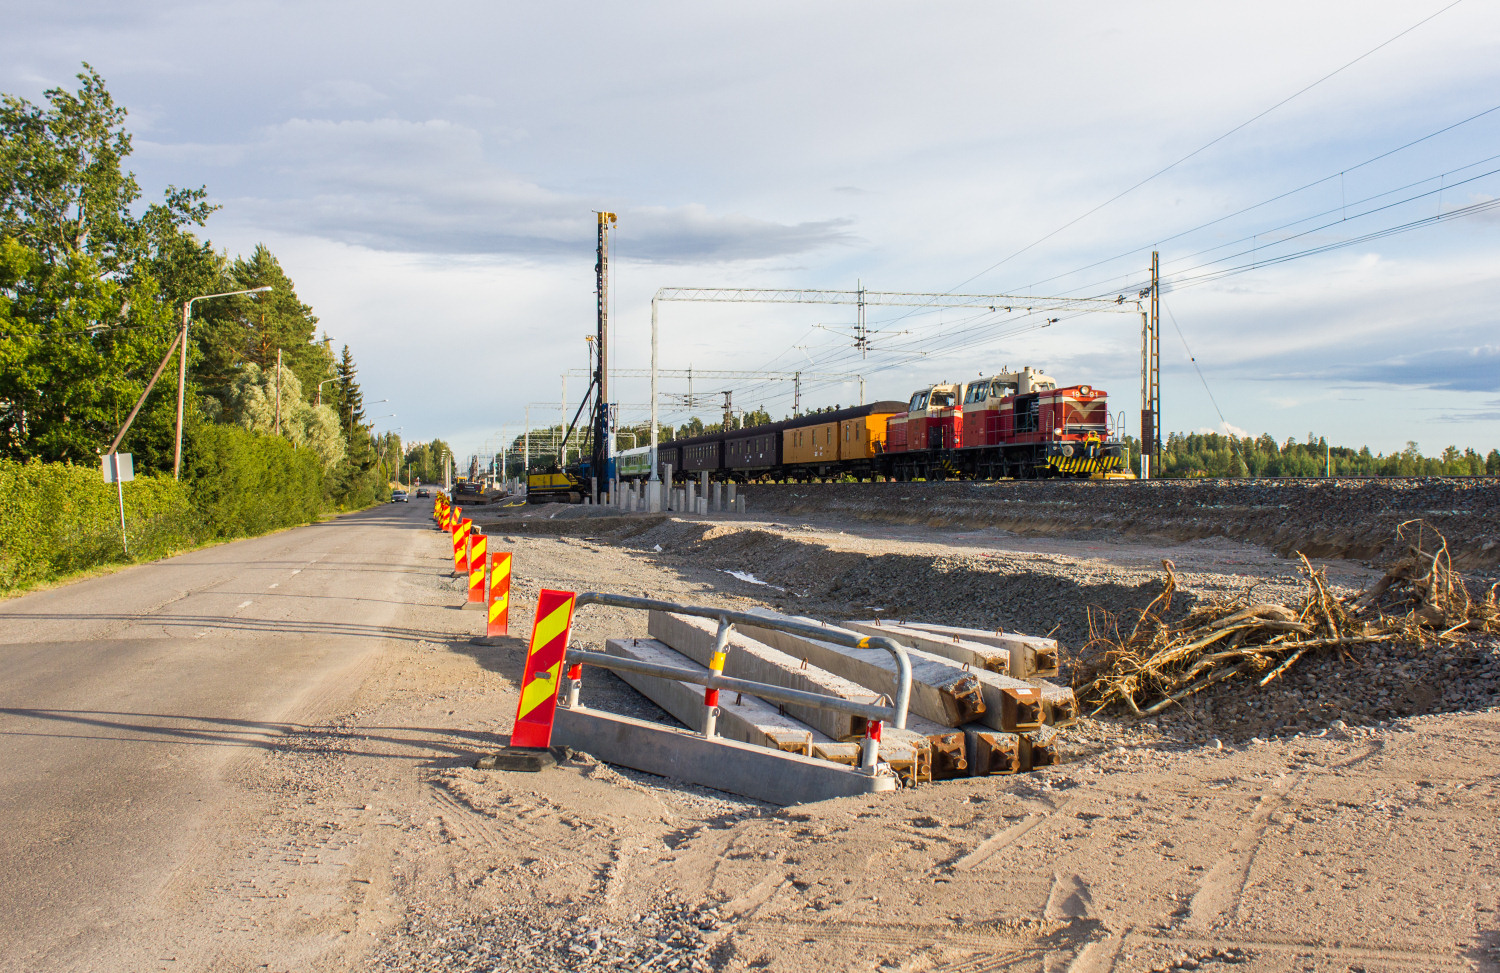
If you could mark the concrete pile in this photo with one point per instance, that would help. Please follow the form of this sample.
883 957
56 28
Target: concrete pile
981 702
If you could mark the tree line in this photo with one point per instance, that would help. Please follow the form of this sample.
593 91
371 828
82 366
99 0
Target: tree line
1213 454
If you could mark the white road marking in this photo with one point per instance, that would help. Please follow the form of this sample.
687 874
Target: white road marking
298 571
276 584
245 604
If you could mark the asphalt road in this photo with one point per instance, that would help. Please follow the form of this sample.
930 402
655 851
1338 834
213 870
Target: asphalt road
129 703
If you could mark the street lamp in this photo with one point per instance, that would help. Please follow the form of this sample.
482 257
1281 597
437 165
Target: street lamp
187 310
320 387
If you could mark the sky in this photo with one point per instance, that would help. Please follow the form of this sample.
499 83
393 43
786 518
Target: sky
428 176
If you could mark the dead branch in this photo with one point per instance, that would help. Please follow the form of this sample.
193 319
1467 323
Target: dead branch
1419 598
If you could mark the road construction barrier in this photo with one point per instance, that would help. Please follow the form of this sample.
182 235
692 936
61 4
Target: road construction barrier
543 672
548 615
461 546
477 563
498 623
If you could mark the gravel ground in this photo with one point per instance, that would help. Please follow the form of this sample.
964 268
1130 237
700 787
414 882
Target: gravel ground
1260 830
1346 518
839 568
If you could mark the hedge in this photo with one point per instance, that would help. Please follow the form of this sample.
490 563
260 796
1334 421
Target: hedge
57 518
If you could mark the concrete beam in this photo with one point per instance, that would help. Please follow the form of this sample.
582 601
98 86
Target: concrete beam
727 765
747 719
940 691
991 752
748 659
1010 705
1059 704
1030 655
977 655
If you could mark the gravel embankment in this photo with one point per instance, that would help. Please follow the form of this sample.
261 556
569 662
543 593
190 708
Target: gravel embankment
1321 518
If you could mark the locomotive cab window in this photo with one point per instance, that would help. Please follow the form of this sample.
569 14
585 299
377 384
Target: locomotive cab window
942 400
918 402
976 393
1001 389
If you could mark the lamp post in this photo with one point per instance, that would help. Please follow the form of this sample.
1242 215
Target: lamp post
320 388
399 452
351 411
187 310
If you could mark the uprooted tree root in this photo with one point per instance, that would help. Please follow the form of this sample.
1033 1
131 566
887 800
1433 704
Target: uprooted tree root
1420 599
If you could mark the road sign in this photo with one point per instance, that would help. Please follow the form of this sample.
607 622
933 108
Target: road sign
118 467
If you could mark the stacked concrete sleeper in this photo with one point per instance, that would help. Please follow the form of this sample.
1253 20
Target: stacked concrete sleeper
975 707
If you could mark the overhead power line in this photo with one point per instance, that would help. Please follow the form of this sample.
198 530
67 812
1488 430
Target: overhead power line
1211 143
1274 199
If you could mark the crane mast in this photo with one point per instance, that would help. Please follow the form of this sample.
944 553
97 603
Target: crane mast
603 441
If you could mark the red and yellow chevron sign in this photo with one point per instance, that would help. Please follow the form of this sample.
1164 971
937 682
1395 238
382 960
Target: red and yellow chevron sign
461 546
476 567
499 600
544 663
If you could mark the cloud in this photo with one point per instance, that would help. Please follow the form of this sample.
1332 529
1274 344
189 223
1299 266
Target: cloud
1475 369
428 187
341 94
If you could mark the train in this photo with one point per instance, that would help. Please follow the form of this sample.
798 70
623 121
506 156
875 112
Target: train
1012 424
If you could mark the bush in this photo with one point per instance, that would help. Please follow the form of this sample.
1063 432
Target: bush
58 518
244 483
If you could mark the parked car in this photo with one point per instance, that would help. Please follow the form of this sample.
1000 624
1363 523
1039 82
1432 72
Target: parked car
398 496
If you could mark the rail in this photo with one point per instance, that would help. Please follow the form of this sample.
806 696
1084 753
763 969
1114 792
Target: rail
874 713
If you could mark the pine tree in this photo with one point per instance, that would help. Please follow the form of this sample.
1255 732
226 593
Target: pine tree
348 397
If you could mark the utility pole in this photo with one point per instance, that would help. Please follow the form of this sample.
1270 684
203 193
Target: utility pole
278 391
1151 376
797 394
861 335
603 446
562 424
1156 359
526 446
728 409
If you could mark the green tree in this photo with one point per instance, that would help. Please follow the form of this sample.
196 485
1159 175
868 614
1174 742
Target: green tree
235 331
86 306
347 396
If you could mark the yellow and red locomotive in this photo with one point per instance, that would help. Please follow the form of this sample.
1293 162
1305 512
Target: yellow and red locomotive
1014 424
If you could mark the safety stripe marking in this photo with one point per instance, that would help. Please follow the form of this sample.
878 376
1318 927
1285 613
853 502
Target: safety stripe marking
543 686
553 625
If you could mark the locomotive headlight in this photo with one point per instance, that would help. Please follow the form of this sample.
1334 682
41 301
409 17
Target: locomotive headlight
1067 450
1084 390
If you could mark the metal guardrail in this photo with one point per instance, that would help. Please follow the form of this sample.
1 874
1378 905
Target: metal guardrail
875 714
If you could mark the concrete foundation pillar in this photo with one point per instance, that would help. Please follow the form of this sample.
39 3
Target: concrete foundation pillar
702 507
730 489
653 497
739 505
716 498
